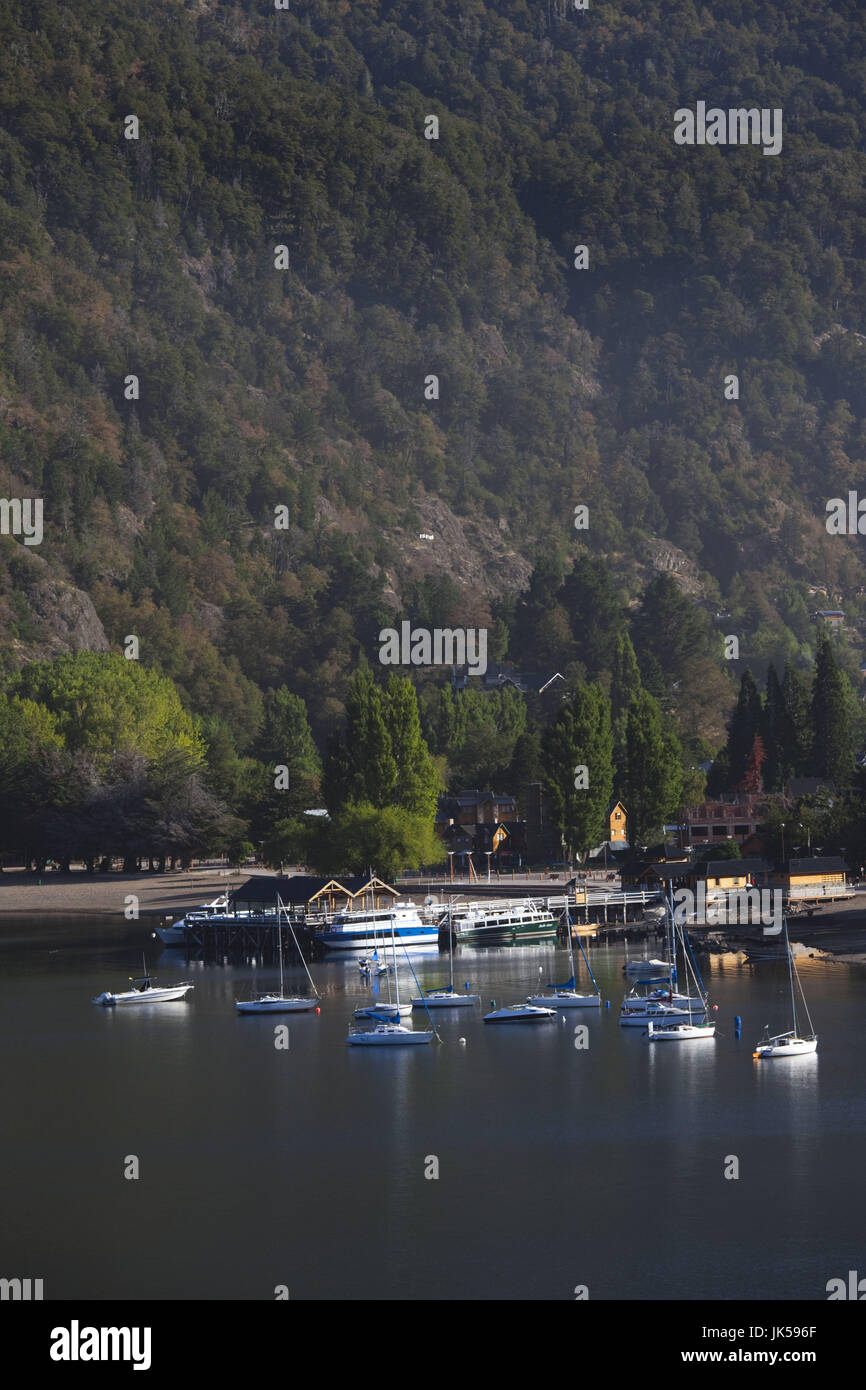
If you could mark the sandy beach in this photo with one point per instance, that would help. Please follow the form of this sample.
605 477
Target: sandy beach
83 894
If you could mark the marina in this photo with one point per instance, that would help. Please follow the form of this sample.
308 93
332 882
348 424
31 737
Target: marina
213 1099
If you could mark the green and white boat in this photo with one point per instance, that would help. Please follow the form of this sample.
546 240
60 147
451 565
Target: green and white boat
504 922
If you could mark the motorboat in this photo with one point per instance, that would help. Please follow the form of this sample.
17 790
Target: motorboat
145 991
520 1013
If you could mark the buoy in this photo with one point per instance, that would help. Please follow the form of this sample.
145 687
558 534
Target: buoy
715 1008
318 1010
607 1003
462 1042
738 1022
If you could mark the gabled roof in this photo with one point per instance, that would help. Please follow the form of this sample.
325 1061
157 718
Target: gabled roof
831 864
304 888
730 868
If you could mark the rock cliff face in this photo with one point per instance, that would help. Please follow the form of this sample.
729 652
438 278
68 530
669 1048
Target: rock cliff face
63 617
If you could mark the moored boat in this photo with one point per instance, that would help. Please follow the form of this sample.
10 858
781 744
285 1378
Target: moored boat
362 929
507 922
520 1013
792 1043
389 1035
680 1032
145 991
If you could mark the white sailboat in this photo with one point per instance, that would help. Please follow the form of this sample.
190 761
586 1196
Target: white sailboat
689 1029
792 1043
566 996
281 1003
388 1033
449 998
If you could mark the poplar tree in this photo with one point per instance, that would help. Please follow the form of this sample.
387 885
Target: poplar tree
416 785
653 769
581 736
831 753
746 722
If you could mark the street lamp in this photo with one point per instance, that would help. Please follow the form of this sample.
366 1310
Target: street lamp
782 827
808 835
488 852
451 865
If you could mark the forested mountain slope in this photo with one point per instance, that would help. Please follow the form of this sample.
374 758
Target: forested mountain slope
410 257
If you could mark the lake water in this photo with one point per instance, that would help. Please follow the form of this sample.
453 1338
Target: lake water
305 1167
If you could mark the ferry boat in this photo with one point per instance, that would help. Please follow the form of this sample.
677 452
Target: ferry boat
366 928
506 922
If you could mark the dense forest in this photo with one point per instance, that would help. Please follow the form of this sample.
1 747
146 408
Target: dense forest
220 321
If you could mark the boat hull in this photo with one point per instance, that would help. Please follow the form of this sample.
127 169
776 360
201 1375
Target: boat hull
564 999
641 1020
799 1047
446 1001
527 1014
274 1006
681 1032
145 996
518 934
396 1037
364 940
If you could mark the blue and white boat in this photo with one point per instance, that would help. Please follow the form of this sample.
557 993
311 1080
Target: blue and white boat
364 928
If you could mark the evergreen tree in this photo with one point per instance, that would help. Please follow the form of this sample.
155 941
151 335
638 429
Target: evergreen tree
795 744
580 737
831 753
653 776
416 785
625 684
773 731
746 723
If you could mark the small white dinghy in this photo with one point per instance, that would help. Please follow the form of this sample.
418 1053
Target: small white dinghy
520 1013
790 1044
389 1035
652 967
145 991
680 1032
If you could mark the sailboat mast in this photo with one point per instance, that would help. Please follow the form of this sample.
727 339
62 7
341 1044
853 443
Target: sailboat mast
451 946
396 975
570 946
791 978
280 941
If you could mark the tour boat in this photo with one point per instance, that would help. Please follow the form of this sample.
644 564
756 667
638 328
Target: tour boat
507 922
360 929
281 1003
520 1013
566 996
790 1044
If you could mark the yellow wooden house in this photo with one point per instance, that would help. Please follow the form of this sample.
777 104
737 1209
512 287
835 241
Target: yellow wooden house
617 820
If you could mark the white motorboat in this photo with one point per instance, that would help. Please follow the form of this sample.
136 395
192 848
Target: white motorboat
383 1011
520 1013
567 996
281 1003
680 1032
145 991
388 1035
449 998
792 1043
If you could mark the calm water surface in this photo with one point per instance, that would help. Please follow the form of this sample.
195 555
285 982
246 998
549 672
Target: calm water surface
557 1166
